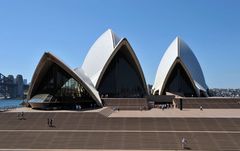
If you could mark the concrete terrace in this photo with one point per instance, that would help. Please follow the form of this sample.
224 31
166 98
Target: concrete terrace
210 129
153 113
185 113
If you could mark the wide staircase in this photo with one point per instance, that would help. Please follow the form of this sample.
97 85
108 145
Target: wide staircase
106 111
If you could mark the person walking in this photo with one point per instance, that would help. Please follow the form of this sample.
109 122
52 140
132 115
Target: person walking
184 143
201 107
51 122
22 115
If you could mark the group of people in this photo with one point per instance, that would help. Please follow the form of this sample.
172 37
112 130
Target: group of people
142 108
50 122
166 106
78 107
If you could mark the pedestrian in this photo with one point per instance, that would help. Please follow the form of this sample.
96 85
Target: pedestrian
51 122
184 143
201 107
22 115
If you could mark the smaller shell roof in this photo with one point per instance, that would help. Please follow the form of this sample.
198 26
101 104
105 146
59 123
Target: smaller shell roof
78 75
178 49
96 58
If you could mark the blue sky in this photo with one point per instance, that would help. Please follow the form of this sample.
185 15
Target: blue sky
68 28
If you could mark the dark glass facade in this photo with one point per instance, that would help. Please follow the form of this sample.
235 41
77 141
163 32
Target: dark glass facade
122 78
63 88
179 82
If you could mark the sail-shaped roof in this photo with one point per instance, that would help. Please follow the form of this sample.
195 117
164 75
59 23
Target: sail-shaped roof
101 54
78 75
98 54
179 51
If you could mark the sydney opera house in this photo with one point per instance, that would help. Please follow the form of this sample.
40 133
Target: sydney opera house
111 69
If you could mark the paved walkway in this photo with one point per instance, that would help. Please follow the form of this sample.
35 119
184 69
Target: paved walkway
74 150
120 131
155 112
27 109
186 113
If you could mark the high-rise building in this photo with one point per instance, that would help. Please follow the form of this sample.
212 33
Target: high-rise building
11 88
20 86
25 81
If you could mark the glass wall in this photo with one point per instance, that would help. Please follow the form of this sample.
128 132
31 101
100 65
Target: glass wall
63 88
122 78
179 82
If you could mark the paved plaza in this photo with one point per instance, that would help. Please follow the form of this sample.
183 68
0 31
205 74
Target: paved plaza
123 130
155 112
186 113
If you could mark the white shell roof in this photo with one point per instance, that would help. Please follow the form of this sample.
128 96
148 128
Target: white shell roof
96 58
101 54
179 50
77 74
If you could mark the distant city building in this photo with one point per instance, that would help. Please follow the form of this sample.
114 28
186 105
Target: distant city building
25 81
11 87
12 90
19 83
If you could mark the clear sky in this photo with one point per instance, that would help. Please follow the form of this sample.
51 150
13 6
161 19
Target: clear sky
68 28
